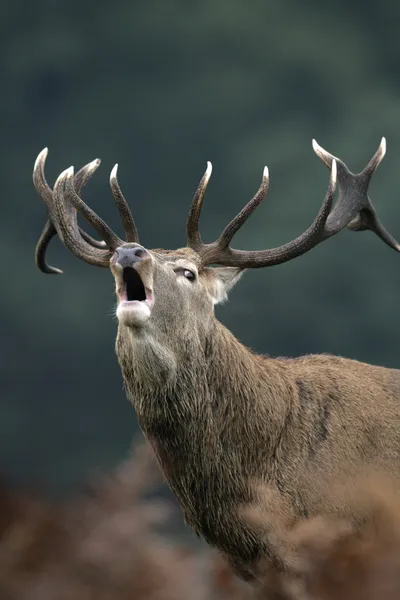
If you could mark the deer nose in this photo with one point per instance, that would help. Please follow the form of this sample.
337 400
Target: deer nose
128 256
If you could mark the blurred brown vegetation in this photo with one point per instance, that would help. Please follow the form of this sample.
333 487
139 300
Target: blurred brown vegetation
106 544
330 557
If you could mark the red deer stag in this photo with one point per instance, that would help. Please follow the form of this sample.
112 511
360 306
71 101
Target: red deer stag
218 416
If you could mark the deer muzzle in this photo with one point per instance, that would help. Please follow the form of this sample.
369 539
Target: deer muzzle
132 267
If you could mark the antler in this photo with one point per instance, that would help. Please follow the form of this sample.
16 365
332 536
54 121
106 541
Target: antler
62 203
45 192
353 209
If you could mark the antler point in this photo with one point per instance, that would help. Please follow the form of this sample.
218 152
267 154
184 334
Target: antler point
41 157
334 172
92 166
316 147
114 170
67 173
383 146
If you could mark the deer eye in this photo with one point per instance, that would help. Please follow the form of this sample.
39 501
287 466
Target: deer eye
189 274
186 273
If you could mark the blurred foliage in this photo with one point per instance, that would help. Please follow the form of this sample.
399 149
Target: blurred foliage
106 545
161 87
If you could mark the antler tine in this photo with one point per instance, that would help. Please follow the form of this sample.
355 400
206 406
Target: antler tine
49 231
215 253
369 220
354 208
67 226
325 156
45 192
69 196
236 223
375 161
127 219
43 188
192 223
81 179
40 183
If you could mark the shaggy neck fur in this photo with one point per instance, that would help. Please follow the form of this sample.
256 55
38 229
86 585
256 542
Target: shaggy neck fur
196 413
221 418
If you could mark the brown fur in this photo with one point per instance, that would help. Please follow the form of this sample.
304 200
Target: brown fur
219 416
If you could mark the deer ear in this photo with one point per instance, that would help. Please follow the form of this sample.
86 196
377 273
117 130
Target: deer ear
224 280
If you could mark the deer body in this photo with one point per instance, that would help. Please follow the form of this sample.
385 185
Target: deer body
220 418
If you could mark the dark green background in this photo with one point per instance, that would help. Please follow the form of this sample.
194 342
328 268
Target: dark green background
161 87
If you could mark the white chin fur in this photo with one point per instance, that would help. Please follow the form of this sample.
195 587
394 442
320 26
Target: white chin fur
133 314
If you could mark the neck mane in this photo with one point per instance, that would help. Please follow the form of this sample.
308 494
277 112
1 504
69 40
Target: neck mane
204 394
203 404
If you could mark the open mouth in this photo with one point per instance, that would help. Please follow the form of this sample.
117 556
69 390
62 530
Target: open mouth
132 291
133 285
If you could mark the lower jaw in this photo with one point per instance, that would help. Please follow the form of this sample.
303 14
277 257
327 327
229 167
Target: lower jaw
133 313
